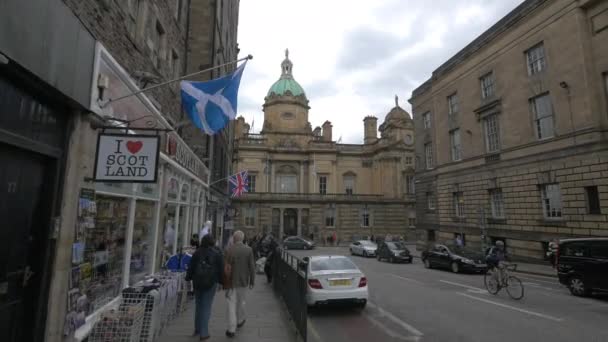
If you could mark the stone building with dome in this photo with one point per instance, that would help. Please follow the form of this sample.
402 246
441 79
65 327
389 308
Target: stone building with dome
302 182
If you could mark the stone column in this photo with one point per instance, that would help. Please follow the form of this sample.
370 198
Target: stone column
299 221
301 189
176 224
271 180
281 223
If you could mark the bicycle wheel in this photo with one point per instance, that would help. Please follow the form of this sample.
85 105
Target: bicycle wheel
515 289
491 282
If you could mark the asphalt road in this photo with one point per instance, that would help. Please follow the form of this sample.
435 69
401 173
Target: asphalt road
411 303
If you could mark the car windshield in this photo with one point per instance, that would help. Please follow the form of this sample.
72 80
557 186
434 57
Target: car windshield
395 245
332 264
367 243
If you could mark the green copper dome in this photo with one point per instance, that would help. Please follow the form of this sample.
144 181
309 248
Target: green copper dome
283 85
286 83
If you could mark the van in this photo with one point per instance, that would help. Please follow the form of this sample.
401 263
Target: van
582 265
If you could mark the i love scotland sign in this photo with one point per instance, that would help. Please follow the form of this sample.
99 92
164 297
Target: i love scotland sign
126 158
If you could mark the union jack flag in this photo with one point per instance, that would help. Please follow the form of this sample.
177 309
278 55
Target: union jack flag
238 184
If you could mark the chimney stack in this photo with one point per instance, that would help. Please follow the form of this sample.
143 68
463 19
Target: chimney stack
370 132
327 131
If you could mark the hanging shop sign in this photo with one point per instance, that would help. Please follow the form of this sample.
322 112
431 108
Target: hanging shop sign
127 158
178 151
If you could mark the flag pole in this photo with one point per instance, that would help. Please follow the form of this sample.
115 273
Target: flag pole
173 80
223 179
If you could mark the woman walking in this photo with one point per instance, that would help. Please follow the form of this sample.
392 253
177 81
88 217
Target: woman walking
205 271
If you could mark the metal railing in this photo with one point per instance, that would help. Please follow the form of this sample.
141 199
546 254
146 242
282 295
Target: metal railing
286 196
289 282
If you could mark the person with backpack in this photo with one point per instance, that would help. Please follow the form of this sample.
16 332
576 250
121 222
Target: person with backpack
205 272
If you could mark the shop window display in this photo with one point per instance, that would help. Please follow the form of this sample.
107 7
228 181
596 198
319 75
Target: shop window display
98 252
141 251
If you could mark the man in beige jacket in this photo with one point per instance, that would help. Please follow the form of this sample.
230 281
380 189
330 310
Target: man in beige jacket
241 268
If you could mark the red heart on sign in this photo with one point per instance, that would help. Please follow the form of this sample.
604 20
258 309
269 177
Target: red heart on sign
134 146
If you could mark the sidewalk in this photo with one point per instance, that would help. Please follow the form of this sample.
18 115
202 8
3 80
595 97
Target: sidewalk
267 319
522 267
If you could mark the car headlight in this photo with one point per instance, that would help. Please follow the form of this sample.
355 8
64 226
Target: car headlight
468 261
397 253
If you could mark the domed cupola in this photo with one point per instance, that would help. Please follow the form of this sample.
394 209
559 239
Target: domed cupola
286 86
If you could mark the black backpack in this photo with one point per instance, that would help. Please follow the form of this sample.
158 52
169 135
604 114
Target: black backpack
204 272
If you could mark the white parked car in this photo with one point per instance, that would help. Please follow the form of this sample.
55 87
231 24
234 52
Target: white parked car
364 248
335 279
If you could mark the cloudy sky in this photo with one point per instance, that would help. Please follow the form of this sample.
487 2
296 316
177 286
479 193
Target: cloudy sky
352 56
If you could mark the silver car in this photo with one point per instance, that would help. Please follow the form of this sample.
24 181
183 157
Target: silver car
364 248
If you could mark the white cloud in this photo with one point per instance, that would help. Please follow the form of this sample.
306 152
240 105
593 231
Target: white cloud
352 57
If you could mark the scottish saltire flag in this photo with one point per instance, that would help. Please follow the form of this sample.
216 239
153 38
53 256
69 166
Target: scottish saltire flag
238 184
212 104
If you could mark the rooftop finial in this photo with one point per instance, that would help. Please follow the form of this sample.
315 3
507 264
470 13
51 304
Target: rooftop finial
396 100
286 53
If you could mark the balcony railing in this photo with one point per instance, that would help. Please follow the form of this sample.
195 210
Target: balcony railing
253 139
350 148
313 197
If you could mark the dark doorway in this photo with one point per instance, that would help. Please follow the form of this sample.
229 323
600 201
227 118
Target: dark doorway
26 188
290 222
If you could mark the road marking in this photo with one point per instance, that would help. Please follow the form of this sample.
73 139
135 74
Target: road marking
408 279
395 319
537 279
390 332
313 330
538 286
533 313
472 288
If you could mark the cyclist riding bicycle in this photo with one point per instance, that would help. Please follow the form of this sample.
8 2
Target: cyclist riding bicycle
496 258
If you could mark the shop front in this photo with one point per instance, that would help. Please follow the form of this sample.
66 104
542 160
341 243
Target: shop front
127 220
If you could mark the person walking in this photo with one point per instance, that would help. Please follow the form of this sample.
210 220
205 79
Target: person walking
240 265
205 272
270 259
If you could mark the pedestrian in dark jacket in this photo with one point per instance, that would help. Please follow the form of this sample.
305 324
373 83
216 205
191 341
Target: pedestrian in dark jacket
272 254
205 271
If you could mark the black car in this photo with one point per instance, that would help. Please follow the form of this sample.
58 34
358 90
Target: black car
582 265
393 252
456 259
296 242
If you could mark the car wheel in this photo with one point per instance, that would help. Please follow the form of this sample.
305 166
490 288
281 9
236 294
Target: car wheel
351 252
427 263
577 286
364 254
362 305
455 267
378 257
391 260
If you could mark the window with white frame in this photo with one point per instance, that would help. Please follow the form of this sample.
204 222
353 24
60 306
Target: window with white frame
491 131
455 145
408 160
410 185
365 217
251 180
428 155
497 203
487 85
249 217
453 104
323 185
430 201
542 110
349 184
552 200
458 199
426 119
535 57
330 217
